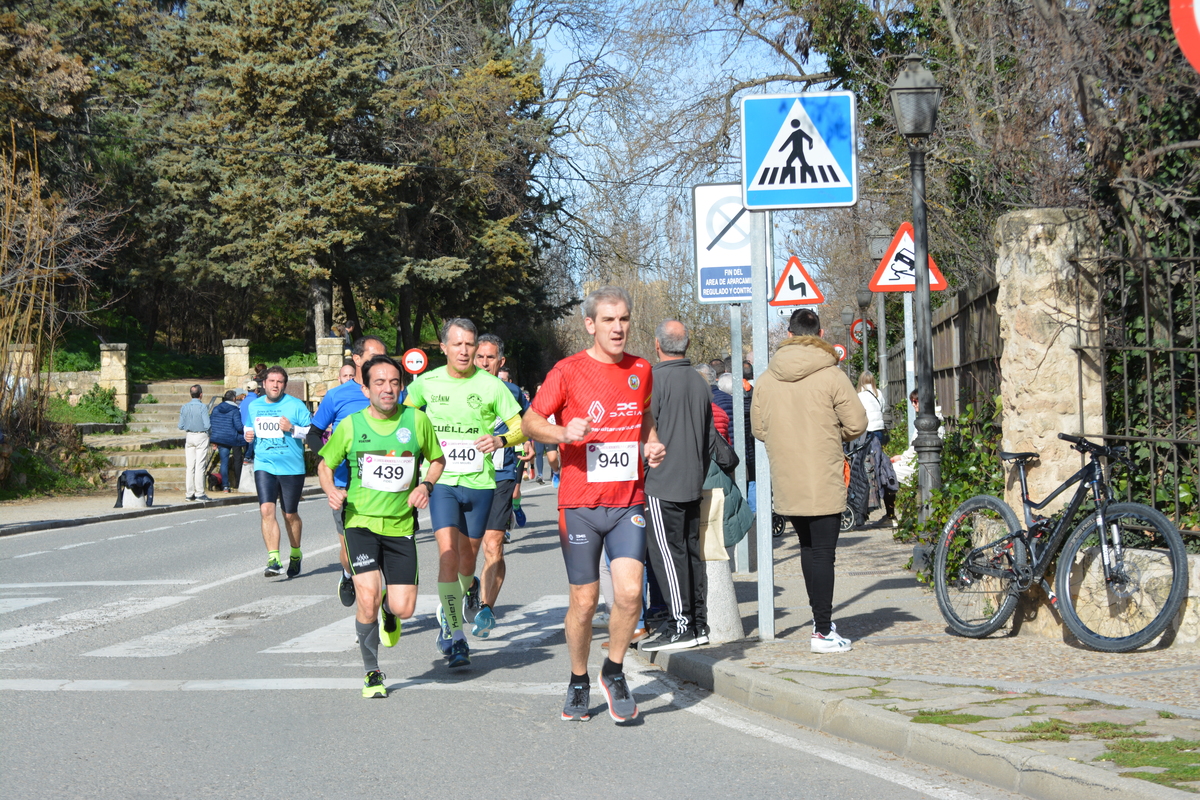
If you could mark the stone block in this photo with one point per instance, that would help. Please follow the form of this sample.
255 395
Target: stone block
967 754
724 619
114 372
866 724
237 362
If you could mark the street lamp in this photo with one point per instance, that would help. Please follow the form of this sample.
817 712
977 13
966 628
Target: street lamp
915 97
847 321
864 299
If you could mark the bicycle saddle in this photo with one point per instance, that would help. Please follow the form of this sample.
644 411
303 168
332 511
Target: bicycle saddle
1022 457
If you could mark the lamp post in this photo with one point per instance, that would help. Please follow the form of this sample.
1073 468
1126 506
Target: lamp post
847 321
864 300
915 98
877 243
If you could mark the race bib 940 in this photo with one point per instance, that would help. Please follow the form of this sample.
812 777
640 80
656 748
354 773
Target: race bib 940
462 456
387 473
609 462
267 428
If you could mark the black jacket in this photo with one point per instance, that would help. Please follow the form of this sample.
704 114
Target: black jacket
682 407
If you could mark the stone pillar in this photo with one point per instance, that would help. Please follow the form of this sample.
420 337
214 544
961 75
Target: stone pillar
330 353
237 362
20 361
114 372
1048 303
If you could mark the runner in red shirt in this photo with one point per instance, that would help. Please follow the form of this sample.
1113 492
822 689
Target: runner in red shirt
603 394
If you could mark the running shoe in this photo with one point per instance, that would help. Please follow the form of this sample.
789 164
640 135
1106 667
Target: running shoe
507 537
346 591
830 642
554 480
389 631
471 599
485 621
273 568
541 481
293 566
460 654
445 639
669 640
702 634
621 706
373 685
576 707
519 515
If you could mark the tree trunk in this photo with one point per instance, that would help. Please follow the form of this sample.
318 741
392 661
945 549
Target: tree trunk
349 307
317 324
404 335
156 292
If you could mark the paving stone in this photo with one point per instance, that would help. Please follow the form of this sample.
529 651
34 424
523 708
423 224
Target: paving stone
829 682
1124 716
948 701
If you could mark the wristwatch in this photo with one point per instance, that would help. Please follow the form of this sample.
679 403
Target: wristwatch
428 486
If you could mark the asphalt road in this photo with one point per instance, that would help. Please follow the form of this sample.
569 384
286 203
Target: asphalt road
151 658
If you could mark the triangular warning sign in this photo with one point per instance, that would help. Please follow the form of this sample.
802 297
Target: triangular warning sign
796 287
897 271
798 156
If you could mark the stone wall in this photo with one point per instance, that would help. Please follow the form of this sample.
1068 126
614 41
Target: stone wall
237 363
71 385
1048 303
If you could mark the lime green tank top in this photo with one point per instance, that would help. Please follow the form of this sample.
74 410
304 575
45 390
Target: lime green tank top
384 465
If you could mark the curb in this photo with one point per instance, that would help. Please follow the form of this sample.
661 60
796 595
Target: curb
52 524
1006 766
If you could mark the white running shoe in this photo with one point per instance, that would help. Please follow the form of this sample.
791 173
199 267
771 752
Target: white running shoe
830 643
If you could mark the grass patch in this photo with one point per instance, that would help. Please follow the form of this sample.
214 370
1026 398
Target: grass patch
97 405
1057 730
940 718
1179 757
285 353
1167 715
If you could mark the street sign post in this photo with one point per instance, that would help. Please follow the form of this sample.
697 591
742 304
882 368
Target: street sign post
799 150
897 272
415 361
721 231
856 330
796 287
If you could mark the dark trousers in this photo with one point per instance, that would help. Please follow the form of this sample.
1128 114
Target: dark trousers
818 552
674 548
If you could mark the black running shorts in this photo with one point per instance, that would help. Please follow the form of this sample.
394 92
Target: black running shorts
621 532
285 488
396 555
501 505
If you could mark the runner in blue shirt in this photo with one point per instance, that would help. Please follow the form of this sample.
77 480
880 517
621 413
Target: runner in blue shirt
277 423
339 403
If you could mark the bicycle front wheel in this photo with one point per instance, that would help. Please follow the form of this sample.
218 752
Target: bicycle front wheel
1148 584
975 566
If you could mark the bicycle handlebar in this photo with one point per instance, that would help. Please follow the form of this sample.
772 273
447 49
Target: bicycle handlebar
1117 452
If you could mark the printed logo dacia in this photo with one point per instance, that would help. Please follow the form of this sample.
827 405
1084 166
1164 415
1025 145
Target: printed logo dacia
596 411
634 382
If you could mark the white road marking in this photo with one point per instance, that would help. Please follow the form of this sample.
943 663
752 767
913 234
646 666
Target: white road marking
268 684
122 536
54 584
8 604
34 553
83 620
529 625
190 635
340 636
223 516
163 528
72 546
248 573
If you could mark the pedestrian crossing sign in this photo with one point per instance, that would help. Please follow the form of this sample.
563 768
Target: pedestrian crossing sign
799 151
897 272
796 287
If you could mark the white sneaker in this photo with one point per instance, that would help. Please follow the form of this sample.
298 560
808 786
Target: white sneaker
830 643
600 620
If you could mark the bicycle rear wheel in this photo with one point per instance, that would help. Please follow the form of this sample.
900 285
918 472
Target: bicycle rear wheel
975 590
1149 583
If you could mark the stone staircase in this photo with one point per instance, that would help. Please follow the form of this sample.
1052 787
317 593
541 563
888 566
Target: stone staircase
153 441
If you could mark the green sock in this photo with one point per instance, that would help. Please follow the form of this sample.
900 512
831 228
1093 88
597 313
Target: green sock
450 595
464 582
296 552
272 554
516 502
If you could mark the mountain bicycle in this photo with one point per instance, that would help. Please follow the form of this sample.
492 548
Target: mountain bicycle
1120 578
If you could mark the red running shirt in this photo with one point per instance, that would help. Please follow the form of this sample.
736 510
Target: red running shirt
612 397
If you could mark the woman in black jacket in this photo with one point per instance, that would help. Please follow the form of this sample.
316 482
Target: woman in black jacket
227 435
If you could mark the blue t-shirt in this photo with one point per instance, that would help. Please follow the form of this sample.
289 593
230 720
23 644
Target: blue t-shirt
509 471
278 455
339 403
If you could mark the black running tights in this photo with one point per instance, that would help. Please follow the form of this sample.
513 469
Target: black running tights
818 551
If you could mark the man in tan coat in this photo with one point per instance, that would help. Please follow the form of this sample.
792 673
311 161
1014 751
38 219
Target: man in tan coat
804 408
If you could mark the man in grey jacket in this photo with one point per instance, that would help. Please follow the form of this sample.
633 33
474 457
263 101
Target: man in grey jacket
682 405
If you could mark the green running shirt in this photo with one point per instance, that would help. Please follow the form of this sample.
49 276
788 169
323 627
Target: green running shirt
462 410
384 457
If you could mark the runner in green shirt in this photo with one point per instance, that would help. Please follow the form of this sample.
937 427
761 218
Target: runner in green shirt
384 444
463 403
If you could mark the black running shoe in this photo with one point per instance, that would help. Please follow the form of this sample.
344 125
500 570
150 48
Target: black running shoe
621 706
273 568
346 591
471 599
293 566
701 634
669 640
576 707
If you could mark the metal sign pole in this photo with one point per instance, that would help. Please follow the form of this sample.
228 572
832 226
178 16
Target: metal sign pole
910 370
760 260
741 552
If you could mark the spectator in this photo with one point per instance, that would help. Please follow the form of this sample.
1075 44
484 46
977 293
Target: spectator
721 420
228 438
804 408
194 419
869 396
347 372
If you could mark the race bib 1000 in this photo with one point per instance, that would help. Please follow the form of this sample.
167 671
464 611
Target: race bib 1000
387 473
462 456
609 462
268 428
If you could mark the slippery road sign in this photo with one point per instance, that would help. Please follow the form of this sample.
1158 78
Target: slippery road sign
897 272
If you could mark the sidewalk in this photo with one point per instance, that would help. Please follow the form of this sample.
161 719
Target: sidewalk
1024 713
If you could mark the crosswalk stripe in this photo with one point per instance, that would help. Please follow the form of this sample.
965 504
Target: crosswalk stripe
83 620
8 604
340 636
190 635
637 682
530 624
